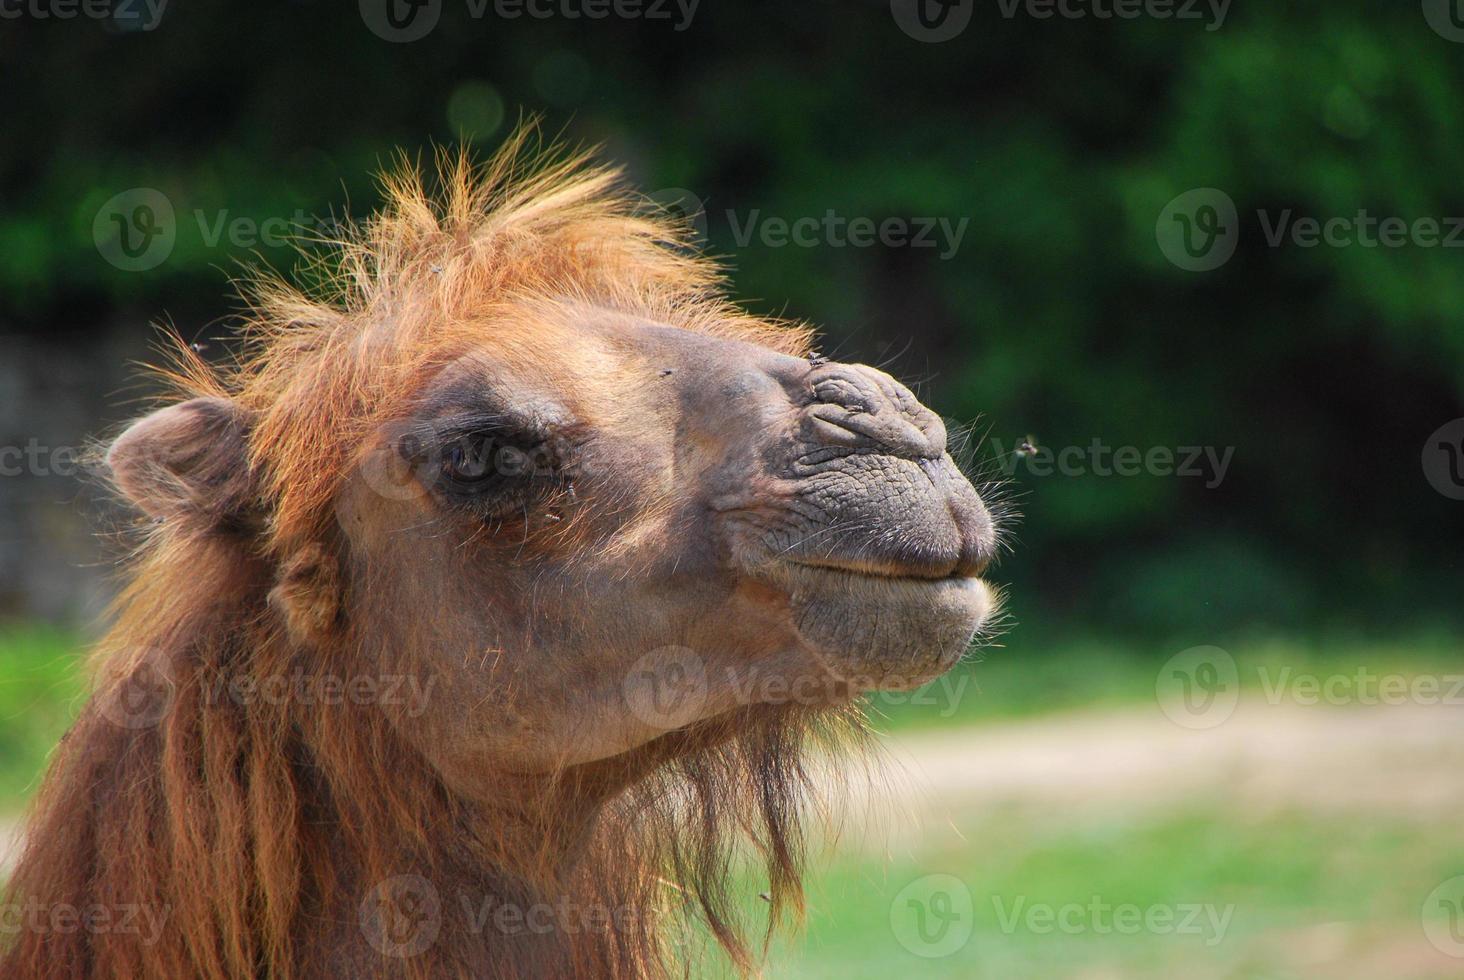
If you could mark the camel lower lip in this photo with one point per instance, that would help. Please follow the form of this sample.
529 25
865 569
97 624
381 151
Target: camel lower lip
888 632
881 575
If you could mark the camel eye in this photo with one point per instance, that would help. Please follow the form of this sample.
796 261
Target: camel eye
479 464
467 462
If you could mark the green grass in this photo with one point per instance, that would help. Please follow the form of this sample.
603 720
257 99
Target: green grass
1289 876
40 687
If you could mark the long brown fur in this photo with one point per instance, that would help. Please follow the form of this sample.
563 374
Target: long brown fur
243 824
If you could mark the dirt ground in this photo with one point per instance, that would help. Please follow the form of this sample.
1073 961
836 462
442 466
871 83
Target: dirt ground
1264 755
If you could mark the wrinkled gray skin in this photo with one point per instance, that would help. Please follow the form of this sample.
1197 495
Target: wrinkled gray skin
744 527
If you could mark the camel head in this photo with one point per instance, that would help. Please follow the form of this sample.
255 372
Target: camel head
580 518
603 547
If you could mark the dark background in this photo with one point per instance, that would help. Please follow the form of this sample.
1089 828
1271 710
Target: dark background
1057 317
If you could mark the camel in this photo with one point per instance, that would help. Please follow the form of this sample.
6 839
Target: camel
488 608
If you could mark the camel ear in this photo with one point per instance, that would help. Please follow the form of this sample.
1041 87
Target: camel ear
188 460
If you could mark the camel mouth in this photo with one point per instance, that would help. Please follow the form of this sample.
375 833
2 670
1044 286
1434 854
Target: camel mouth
880 627
887 571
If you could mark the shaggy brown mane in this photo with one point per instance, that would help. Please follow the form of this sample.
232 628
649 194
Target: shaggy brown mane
238 826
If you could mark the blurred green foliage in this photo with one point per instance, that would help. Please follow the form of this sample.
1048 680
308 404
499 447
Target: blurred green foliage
1325 368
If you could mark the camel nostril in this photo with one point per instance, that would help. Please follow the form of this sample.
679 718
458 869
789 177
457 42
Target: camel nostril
858 406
